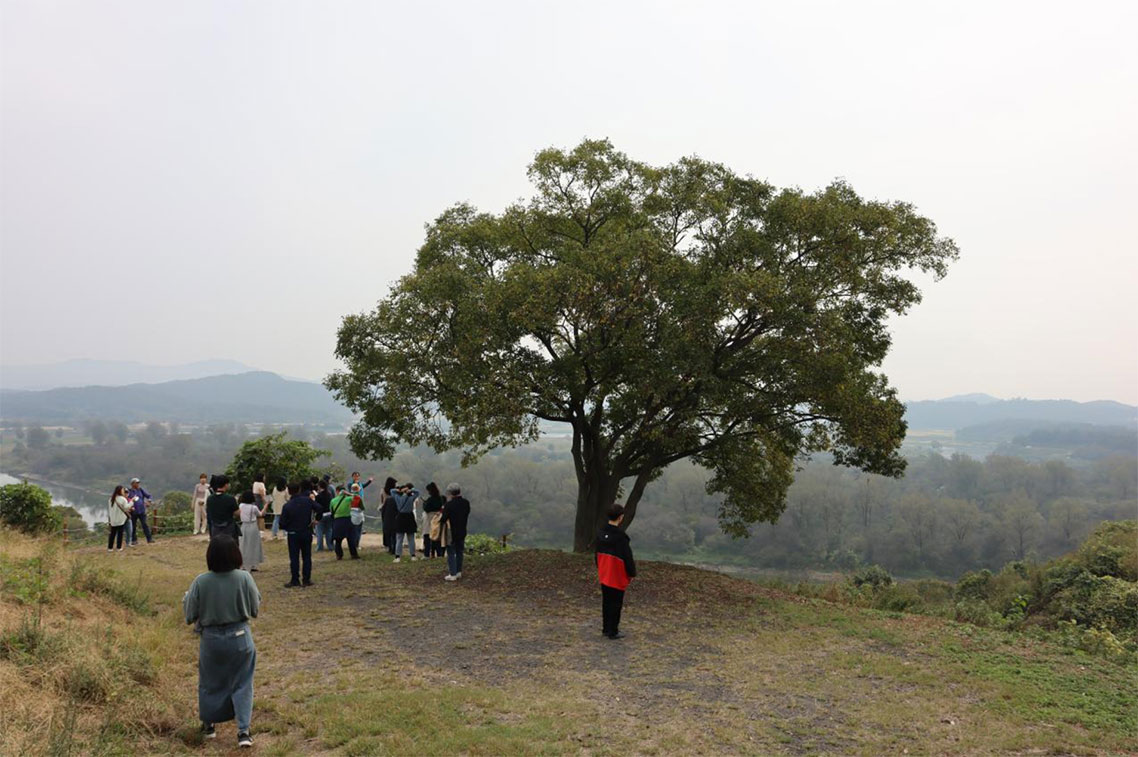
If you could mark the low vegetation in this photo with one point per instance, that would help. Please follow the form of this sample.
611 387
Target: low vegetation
1087 599
87 664
380 658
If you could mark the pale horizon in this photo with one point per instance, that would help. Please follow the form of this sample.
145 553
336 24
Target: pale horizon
246 175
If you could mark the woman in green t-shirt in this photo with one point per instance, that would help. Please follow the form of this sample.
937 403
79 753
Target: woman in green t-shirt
219 604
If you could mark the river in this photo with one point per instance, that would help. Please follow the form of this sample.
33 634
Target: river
91 506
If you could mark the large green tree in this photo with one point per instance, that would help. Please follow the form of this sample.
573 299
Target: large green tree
660 313
274 456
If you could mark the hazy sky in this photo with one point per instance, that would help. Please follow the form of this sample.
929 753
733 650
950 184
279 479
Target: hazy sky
226 179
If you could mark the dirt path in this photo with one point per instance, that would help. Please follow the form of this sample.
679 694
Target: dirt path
511 660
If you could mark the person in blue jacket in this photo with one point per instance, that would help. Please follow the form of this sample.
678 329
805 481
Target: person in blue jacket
405 526
138 499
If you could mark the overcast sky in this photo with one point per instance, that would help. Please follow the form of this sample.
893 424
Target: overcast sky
226 179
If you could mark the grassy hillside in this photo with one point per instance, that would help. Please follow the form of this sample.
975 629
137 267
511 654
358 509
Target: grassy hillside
380 659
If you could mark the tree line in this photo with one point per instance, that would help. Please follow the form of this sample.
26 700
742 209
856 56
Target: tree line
947 515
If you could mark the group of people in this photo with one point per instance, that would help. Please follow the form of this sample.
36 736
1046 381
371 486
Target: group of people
126 516
335 519
221 601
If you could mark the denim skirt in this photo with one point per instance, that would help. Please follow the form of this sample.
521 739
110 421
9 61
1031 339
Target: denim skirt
226 660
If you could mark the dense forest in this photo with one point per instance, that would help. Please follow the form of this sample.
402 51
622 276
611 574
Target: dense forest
947 515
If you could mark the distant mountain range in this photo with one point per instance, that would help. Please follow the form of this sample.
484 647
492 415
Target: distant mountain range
245 396
1020 414
110 373
254 397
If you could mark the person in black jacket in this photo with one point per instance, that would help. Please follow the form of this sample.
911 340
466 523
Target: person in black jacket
615 569
455 514
323 515
388 512
296 521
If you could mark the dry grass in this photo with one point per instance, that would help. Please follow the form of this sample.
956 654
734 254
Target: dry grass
381 659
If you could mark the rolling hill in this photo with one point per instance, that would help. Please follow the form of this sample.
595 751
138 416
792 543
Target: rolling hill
958 413
254 397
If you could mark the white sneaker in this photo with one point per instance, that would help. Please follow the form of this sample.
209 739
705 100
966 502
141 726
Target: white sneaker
458 575
450 578
396 559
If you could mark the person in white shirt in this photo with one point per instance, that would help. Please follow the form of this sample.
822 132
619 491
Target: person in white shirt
201 494
118 513
252 551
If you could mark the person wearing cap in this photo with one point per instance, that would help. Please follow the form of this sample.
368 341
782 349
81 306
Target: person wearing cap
455 514
615 569
138 498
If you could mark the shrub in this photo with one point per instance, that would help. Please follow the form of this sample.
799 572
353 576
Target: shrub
175 523
896 597
28 508
177 501
483 544
977 612
1112 550
974 586
873 576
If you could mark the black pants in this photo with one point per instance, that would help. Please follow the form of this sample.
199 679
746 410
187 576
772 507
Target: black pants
612 601
116 533
300 547
341 532
135 519
433 547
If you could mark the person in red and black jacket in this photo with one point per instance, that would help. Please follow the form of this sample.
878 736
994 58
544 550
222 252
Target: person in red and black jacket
615 568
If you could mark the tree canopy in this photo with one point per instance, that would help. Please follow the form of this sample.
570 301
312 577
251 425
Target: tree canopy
660 313
28 507
272 456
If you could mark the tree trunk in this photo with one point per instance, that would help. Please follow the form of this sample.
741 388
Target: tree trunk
594 496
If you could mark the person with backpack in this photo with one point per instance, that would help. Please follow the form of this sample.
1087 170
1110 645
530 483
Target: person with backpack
341 509
615 569
221 509
432 511
405 497
455 514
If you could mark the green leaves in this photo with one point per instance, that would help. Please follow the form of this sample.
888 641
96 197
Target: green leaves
273 456
661 312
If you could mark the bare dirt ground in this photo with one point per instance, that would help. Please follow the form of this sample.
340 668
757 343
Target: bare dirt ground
381 658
